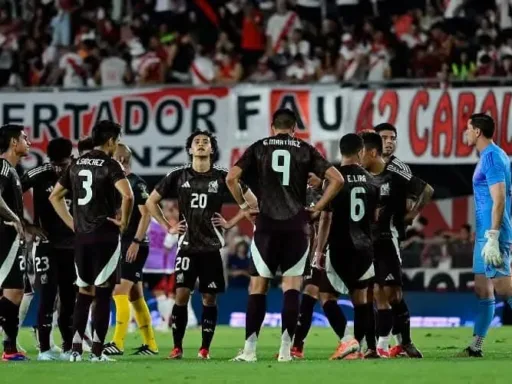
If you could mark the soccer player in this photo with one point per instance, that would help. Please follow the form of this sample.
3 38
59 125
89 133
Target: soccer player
395 188
492 195
95 181
416 200
346 228
201 191
54 262
134 252
13 146
276 168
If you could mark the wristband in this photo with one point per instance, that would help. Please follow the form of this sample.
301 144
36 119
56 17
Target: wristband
137 241
244 206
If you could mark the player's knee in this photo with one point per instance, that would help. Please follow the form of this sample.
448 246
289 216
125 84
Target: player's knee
123 288
14 295
291 282
395 295
325 297
182 296
311 290
503 286
359 296
381 298
209 299
136 292
258 286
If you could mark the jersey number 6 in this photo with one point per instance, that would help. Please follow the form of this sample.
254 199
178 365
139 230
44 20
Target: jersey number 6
357 209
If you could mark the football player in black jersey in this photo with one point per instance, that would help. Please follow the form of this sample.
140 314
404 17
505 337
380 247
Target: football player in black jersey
134 252
200 188
13 146
417 199
396 187
95 181
53 258
277 168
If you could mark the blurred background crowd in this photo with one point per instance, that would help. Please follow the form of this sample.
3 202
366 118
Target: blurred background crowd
111 43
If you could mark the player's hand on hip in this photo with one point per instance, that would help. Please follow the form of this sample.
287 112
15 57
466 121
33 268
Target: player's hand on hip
132 252
36 231
122 226
314 212
219 221
251 213
179 228
314 181
18 226
491 251
318 260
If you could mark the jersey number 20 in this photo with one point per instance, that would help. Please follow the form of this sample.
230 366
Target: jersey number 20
86 185
357 209
281 164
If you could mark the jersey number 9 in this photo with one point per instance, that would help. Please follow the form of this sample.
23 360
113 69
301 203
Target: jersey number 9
281 164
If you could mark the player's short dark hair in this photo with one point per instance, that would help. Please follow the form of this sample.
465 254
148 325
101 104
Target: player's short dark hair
372 141
85 145
284 118
213 142
103 131
384 127
350 144
59 149
485 123
7 133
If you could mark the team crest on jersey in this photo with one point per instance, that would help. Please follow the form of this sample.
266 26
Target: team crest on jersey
384 189
143 191
180 278
213 187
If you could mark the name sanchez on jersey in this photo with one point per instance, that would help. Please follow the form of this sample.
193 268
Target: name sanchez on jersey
290 142
93 162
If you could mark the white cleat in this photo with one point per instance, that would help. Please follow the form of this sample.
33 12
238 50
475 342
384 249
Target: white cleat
101 359
87 344
75 357
284 358
248 357
56 348
47 356
65 356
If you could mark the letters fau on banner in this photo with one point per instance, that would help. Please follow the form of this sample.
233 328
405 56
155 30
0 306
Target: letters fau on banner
431 123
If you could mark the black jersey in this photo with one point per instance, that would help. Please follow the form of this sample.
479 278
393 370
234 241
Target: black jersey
200 196
41 180
91 180
396 186
276 169
140 195
10 189
353 209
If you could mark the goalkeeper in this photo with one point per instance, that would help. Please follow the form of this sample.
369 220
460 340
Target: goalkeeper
492 196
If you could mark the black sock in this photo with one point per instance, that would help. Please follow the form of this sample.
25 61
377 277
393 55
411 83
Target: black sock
256 310
80 316
371 339
101 317
209 322
290 312
336 317
307 305
179 324
65 321
360 320
402 320
45 315
9 321
385 322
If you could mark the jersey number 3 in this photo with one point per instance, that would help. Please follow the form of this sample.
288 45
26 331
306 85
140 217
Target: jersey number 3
357 208
86 185
281 164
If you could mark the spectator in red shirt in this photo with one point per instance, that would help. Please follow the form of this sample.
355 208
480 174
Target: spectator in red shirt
253 37
229 69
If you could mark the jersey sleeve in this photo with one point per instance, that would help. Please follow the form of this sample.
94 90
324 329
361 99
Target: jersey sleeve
116 172
167 187
493 169
318 163
247 159
65 179
27 181
415 187
140 193
4 178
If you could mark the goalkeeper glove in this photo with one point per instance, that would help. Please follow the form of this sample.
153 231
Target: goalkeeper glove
491 251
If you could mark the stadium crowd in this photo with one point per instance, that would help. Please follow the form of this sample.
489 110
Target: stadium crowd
76 43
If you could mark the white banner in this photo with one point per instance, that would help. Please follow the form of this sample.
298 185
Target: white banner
156 122
431 123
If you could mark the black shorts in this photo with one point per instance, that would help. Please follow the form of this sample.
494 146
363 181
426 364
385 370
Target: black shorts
283 248
205 266
12 260
318 278
52 266
97 263
133 271
348 269
388 263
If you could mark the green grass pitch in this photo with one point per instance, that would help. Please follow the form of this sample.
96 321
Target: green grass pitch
438 345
